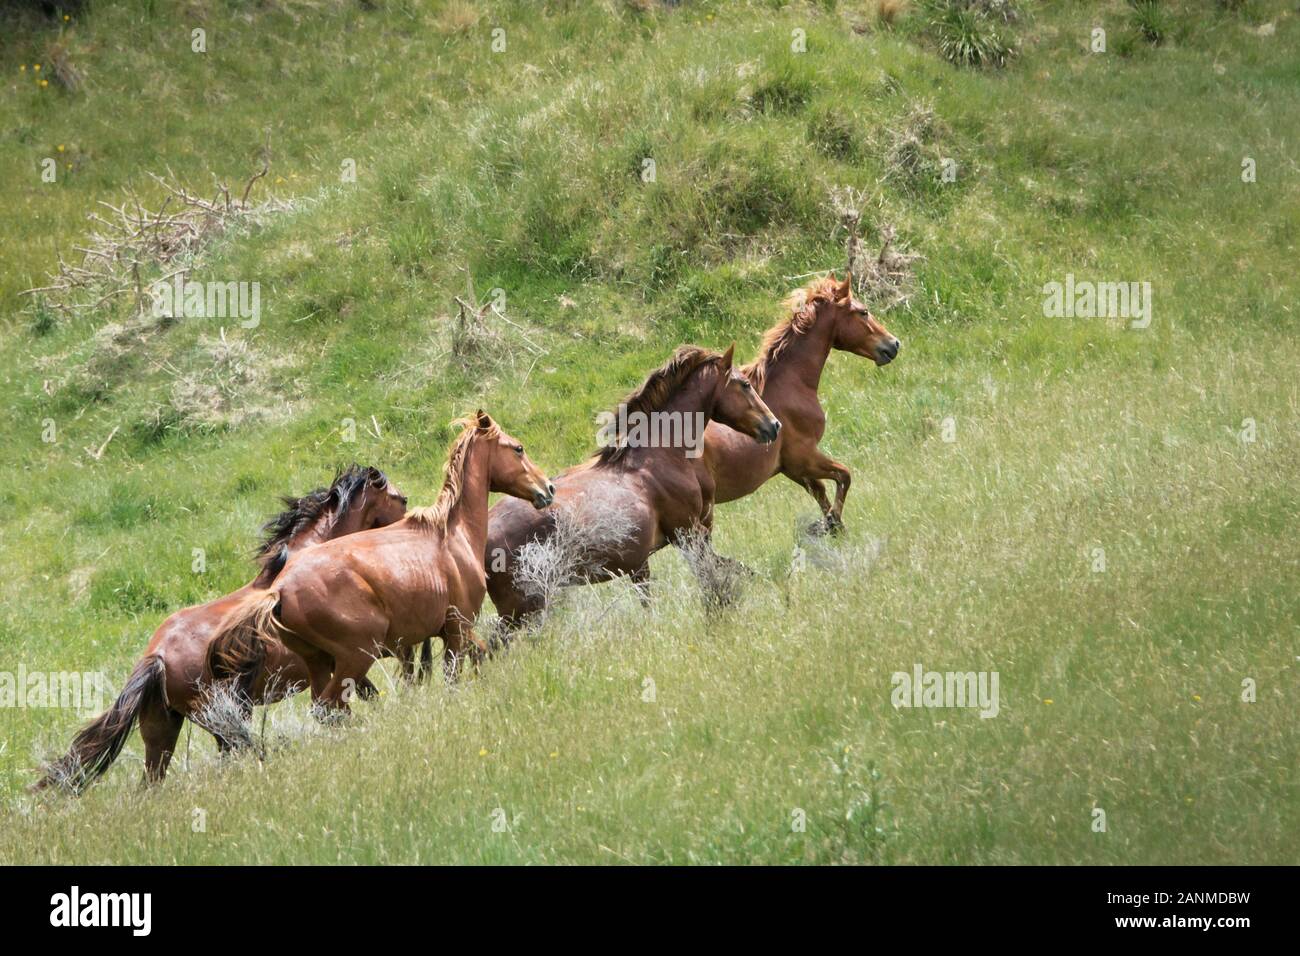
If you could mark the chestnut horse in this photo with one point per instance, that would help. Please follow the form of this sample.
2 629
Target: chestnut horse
823 316
661 491
345 603
166 686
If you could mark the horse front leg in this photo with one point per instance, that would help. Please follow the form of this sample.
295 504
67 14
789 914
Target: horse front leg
460 642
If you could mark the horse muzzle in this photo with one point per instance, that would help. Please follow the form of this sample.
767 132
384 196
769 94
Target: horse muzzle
543 497
768 430
887 351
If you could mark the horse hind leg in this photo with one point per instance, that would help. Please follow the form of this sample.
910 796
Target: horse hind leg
824 466
160 728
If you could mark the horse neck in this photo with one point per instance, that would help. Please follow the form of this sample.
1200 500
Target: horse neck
802 360
468 513
322 529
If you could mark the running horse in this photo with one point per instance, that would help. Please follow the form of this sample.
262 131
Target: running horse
661 491
823 315
169 683
345 603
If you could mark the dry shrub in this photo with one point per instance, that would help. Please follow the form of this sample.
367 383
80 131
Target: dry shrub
586 529
721 579
886 279
130 243
484 338
224 712
474 342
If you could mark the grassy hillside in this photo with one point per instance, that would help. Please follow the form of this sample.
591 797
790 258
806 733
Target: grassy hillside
522 170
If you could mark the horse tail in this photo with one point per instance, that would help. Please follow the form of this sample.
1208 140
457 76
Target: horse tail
97 744
238 649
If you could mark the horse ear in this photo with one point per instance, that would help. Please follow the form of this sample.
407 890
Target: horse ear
484 421
845 291
728 356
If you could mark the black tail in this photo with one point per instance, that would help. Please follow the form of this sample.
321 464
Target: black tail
97 745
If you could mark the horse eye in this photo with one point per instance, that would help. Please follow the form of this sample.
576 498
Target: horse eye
519 449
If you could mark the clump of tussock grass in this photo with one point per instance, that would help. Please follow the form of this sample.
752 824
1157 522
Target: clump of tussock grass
972 33
835 133
1150 19
225 387
786 87
815 548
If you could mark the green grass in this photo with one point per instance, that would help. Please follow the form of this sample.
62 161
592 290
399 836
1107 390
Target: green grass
1120 690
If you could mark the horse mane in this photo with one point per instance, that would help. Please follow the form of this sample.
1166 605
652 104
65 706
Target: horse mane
332 503
659 386
453 470
801 304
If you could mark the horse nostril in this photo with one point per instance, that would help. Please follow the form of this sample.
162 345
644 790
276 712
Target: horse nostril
550 488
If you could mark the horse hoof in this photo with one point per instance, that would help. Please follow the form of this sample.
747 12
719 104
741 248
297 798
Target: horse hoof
834 526
367 690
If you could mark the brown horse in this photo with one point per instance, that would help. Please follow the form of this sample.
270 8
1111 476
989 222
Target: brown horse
659 492
343 604
167 685
823 316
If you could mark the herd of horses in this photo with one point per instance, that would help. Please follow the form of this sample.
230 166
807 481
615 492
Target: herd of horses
347 574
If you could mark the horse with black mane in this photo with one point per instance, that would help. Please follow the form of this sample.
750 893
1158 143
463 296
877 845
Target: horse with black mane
171 682
344 604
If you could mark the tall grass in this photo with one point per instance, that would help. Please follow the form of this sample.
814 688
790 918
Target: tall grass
681 732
